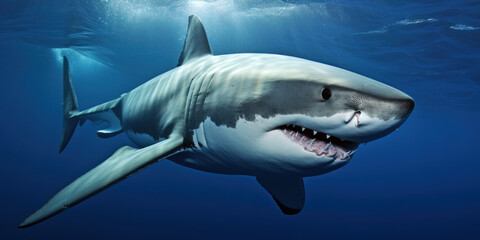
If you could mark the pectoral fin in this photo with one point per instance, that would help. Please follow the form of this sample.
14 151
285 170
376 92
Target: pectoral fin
288 192
123 163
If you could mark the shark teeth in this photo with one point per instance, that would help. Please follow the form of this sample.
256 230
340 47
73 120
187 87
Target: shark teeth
327 146
334 154
351 152
320 143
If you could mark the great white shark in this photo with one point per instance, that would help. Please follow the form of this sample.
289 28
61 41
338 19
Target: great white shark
275 117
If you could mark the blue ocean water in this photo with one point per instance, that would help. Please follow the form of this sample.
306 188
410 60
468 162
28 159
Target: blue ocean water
419 182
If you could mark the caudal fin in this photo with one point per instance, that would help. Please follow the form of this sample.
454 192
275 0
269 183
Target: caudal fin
70 106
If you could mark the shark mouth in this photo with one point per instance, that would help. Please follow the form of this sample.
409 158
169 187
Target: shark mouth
320 143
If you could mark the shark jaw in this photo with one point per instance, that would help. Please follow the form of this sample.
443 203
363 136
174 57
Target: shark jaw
266 146
319 143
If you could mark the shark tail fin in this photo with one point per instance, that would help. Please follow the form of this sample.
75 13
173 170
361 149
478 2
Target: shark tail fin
70 106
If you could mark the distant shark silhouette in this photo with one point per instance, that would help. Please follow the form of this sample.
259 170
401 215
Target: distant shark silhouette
274 117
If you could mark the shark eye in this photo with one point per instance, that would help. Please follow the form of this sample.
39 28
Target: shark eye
326 93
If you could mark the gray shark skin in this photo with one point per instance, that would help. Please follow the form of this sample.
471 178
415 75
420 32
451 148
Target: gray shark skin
275 117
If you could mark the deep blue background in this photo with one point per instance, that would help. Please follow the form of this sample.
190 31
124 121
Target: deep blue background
421 181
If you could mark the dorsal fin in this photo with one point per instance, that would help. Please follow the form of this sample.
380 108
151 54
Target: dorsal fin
196 41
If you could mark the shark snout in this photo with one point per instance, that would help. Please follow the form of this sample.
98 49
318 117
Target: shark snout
374 123
407 106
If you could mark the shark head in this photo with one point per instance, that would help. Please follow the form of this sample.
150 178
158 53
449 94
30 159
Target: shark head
290 115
